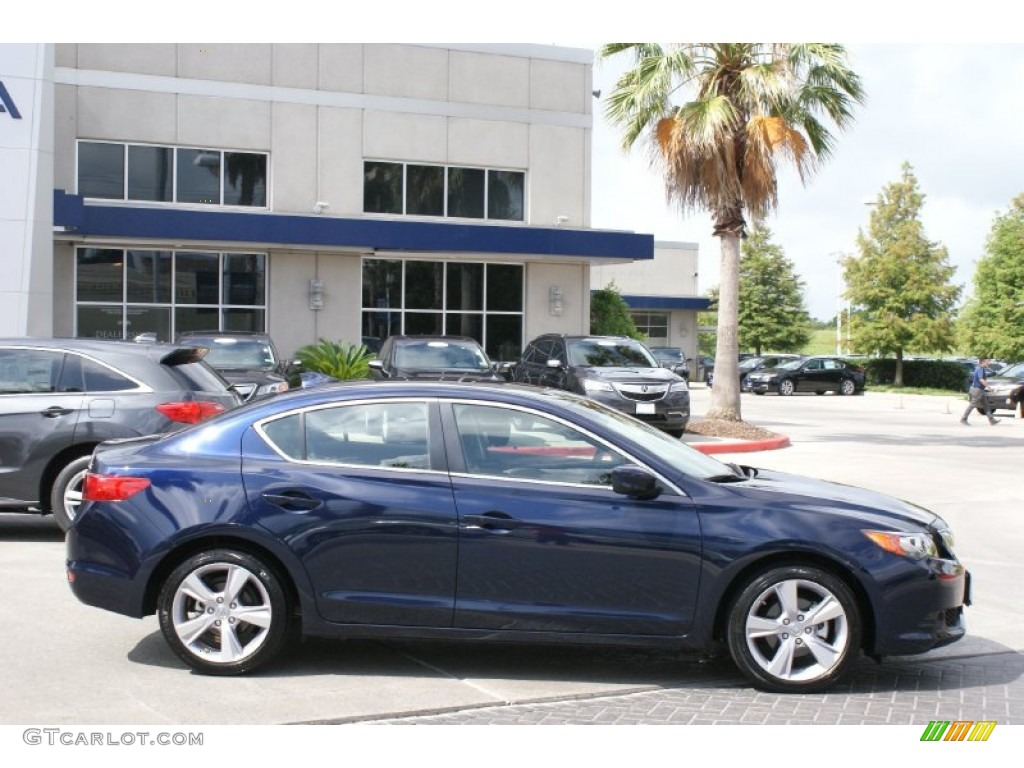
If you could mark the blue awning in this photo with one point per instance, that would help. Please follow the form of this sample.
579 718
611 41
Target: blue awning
176 224
667 302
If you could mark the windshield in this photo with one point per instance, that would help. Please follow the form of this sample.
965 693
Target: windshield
791 365
750 363
227 352
610 353
682 457
667 354
440 355
1014 371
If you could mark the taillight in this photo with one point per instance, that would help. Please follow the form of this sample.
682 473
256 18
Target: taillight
112 487
191 412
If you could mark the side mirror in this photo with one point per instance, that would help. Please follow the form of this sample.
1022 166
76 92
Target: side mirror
376 365
553 363
635 482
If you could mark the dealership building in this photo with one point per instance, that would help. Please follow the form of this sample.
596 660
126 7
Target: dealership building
339 191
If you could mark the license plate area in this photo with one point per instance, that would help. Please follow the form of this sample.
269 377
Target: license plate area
647 409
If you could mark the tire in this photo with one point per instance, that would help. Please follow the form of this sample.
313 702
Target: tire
774 640
224 594
757 393
819 392
786 387
676 433
66 493
847 387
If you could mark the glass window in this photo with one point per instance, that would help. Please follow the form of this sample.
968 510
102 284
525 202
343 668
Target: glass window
100 274
382 187
150 173
466 192
424 190
148 275
29 371
609 353
101 170
244 276
504 287
505 195
148 320
245 179
122 293
424 323
509 443
456 324
99 322
652 324
390 435
382 284
504 337
286 434
196 278
380 325
99 378
465 283
198 176
424 284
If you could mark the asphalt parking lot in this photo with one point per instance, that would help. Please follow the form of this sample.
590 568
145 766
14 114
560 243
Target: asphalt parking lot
70 664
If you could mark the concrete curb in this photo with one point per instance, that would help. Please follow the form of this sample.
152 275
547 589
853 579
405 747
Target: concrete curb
743 446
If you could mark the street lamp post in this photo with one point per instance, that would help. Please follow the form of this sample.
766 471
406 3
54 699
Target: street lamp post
839 256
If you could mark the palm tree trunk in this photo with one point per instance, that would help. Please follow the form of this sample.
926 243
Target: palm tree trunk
725 395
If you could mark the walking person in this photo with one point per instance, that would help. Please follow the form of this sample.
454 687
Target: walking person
976 394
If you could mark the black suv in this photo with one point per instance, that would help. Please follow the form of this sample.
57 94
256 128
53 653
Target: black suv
451 358
249 361
614 370
59 398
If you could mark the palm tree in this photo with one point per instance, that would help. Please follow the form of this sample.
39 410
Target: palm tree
717 117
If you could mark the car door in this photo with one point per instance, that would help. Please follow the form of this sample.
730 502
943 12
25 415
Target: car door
37 419
549 376
811 378
544 542
361 494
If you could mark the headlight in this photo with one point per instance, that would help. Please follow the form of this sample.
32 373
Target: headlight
273 389
916 546
678 386
593 385
946 534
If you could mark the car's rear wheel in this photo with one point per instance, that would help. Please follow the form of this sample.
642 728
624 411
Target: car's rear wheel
794 629
786 387
224 612
847 387
66 494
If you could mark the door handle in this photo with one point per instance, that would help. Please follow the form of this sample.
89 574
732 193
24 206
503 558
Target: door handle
54 411
491 521
292 501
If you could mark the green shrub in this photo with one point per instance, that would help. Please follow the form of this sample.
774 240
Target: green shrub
936 374
337 359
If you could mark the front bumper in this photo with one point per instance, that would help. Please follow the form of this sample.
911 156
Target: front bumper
937 618
670 413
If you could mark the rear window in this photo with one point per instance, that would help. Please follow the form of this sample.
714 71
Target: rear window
198 377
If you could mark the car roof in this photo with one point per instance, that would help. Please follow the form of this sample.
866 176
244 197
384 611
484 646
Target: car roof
229 334
397 339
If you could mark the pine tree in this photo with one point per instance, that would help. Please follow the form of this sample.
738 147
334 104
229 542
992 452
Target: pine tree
899 284
993 320
772 315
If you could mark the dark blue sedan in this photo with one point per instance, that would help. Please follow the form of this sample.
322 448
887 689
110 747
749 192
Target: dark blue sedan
506 513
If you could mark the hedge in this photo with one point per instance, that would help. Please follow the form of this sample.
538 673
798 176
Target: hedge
937 374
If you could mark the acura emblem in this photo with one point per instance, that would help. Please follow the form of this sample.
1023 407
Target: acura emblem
643 388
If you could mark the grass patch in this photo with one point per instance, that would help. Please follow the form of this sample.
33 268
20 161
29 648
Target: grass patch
915 390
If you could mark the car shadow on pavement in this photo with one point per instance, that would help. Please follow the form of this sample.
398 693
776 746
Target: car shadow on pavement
990 664
22 527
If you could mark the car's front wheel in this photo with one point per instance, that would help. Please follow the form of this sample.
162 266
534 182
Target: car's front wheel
66 494
794 629
847 387
224 612
786 387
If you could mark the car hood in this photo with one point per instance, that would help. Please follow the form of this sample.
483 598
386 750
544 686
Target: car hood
1005 381
632 373
875 506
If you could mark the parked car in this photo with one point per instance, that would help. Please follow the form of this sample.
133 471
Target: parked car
672 358
747 363
249 361
59 398
458 358
615 370
810 374
751 364
703 369
1006 389
503 513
